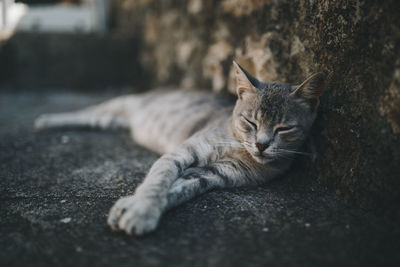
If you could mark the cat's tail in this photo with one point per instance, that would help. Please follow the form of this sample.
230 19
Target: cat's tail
110 114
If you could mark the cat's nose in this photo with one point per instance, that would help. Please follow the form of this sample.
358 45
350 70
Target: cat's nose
262 146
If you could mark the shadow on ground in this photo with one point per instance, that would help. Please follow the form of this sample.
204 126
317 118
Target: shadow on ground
56 189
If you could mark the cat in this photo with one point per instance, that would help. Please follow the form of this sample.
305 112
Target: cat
206 141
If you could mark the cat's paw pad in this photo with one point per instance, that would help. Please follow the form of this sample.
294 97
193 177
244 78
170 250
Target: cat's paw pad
134 216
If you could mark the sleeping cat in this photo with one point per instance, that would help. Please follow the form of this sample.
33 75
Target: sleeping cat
207 141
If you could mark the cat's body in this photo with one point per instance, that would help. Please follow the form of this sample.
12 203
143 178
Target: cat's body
207 141
159 120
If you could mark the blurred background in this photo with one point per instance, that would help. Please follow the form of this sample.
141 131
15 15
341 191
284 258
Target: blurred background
66 44
132 46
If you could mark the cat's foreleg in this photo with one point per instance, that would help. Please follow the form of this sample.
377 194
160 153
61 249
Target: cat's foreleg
196 181
141 212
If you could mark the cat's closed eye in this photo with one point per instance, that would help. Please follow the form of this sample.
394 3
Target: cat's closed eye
283 129
251 123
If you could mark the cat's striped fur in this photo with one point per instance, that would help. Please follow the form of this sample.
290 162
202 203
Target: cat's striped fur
207 141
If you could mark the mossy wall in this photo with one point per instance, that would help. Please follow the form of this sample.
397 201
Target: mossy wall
357 134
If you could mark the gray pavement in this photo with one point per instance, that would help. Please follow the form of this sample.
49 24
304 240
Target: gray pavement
56 189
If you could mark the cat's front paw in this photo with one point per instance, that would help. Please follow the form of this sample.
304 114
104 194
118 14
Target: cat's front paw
134 215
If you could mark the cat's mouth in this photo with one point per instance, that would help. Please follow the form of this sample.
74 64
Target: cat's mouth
260 157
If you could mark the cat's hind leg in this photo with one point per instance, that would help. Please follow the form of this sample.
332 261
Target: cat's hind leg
110 114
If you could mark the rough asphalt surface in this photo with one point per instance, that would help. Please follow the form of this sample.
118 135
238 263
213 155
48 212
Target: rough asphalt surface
57 187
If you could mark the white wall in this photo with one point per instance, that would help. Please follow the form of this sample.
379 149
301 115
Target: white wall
91 16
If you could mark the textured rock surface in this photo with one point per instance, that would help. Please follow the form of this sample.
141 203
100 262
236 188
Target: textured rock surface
56 189
355 42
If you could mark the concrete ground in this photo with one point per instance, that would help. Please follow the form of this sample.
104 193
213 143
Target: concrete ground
56 189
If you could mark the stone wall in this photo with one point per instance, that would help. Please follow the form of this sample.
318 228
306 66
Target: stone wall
357 134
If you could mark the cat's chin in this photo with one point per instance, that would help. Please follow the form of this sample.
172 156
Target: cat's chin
262 160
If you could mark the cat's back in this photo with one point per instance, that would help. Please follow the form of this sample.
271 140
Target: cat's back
166 118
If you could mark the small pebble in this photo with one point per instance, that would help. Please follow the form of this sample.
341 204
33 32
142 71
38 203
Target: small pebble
63 201
65 220
307 225
78 249
64 139
265 229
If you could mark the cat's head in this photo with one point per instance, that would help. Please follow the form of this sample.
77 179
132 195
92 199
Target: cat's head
273 119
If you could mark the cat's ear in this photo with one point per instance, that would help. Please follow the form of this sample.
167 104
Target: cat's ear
310 90
245 83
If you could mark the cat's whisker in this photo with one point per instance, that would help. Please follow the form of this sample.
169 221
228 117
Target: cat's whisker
233 143
228 145
238 147
247 143
281 155
293 152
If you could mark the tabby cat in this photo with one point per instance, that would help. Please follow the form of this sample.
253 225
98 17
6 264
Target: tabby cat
206 141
